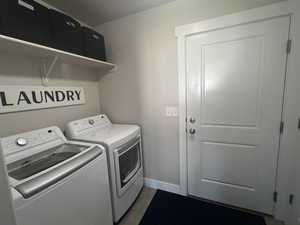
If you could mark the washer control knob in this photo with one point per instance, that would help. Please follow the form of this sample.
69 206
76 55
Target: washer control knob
21 142
91 122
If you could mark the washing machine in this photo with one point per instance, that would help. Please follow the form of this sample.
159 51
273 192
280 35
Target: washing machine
57 182
124 151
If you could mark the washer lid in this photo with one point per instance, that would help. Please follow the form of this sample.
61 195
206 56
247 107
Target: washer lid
116 134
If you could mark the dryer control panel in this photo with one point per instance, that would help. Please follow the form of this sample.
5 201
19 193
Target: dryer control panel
78 127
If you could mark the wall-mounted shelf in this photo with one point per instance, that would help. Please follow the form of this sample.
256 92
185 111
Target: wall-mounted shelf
20 47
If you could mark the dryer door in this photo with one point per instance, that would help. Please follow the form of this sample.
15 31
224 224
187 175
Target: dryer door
127 162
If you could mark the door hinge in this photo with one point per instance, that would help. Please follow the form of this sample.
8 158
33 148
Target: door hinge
291 199
289 46
275 196
281 127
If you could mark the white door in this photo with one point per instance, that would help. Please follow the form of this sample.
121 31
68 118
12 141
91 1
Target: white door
235 80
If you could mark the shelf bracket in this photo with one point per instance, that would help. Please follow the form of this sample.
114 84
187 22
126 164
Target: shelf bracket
115 69
46 71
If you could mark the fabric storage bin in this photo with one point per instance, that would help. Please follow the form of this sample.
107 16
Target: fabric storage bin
93 44
66 32
26 20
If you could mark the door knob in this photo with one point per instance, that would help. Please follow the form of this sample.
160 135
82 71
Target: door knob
192 131
192 120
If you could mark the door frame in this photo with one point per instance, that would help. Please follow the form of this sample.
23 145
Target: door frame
285 8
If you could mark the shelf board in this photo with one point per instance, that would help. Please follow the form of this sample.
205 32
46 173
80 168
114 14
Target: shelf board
20 47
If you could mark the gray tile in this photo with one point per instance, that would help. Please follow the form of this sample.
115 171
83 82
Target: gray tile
137 211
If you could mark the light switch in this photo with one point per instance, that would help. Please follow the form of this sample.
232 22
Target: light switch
171 111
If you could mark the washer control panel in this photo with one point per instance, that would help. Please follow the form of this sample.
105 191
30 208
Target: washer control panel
21 141
24 141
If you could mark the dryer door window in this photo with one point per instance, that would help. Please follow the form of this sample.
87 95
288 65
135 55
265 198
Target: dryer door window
128 162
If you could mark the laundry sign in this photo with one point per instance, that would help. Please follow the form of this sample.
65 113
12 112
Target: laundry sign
23 98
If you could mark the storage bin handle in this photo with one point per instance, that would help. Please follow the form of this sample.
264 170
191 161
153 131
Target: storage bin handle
95 36
29 4
71 24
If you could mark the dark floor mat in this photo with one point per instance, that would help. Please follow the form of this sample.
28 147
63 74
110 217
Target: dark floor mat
172 209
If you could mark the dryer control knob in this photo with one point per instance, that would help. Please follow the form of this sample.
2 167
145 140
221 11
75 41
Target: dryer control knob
21 141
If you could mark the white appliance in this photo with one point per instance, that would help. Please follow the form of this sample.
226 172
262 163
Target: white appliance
123 144
57 182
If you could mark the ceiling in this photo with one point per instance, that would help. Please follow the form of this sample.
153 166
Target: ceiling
96 12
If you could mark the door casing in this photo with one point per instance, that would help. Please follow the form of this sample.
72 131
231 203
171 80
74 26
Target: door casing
249 16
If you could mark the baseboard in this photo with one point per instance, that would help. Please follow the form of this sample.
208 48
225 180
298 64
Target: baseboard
156 184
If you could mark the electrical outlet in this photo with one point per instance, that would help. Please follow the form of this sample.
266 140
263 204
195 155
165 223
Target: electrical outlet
171 111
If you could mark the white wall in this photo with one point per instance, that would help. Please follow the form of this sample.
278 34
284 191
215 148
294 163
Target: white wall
144 48
20 70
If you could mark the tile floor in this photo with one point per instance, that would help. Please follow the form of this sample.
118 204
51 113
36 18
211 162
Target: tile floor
135 214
